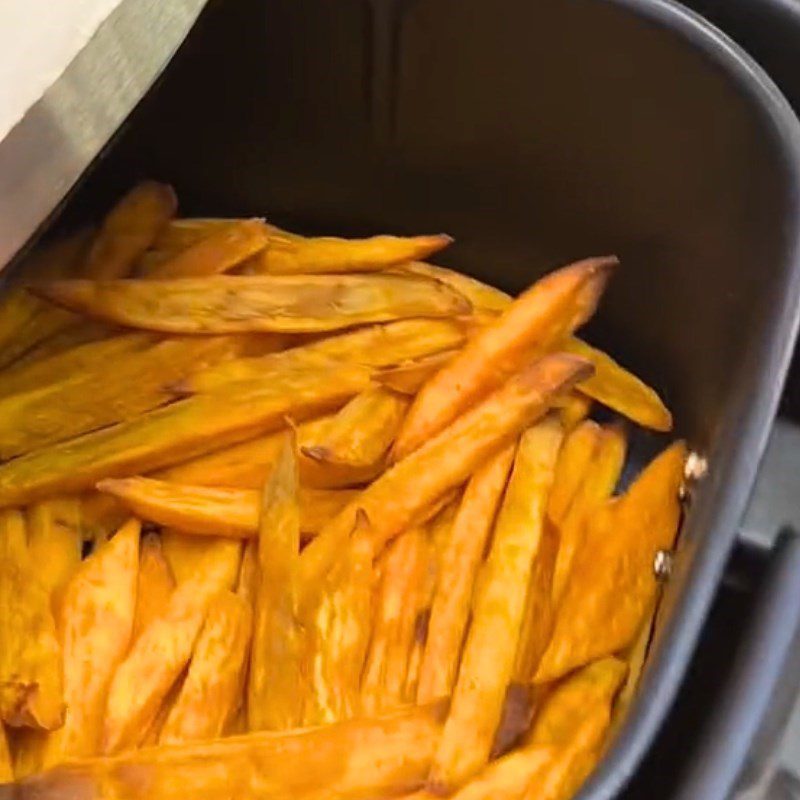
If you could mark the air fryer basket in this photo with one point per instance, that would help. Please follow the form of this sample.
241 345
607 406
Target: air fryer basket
535 133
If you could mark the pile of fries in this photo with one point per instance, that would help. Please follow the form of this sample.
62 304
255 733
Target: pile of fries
310 517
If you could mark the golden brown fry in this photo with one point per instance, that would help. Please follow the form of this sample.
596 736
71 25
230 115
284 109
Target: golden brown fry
275 691
6 769
161 652
247 582
459 566
539 318
181 234
574 409
410 376
300 255
620 390
599 479
176 432
129 229
482 296
217 512
95 623
155 584
100 516
487 663
395 499
574 461
243 304
357 758
55 541
208 697
31 691
611 585
185 554
362 432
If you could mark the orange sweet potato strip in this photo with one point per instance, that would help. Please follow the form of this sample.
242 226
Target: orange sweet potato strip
487 663
155 584
409 377
482 296
357 758
55 541
446 461
459 567
620 390
611 585
208 697
574 409
275 690
185 554
539 318
31 691
159 655
129 229
6 768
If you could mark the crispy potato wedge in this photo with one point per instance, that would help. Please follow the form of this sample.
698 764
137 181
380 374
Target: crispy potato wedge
357 758
482 296
214 254
599 480
276 688
393 501
574 461
208 697
318 254
95 622
244 304
55 541
611 585
372 346
362 432
459 567
129 229
155 584
487 663
176 432
620 390
539 318
31 690
186 553
217 512
161 652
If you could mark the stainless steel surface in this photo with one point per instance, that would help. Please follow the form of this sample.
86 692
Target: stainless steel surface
48 150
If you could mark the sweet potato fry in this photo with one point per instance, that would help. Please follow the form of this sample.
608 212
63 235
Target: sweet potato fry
55 541
95 622
612 585
101 515
597 485
275 692
185 554
372 346
392 502
482 296
540 317
459 567
214 254
409 376
181 234
574 461
217 512
242 304
301 255
361 433
247 582
31 691
620 390
357 758
161 652
129 229
487 663
6 769
155 584
208 697
574 409
175 432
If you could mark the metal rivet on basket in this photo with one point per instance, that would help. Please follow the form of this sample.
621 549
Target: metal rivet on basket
662 565
696 467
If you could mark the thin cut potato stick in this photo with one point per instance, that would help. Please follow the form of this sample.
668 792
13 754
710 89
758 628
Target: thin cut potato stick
574 409
155 584
217 512
129 229
574 461
362 432
55 541
244 304
612 585
300 255
381 757
409 376
175 432
393 501
539 318
482 296
185 554
460 561
95 622
275 688
208 696
219 252
31 690
159 655
488 661
600 477
620 390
